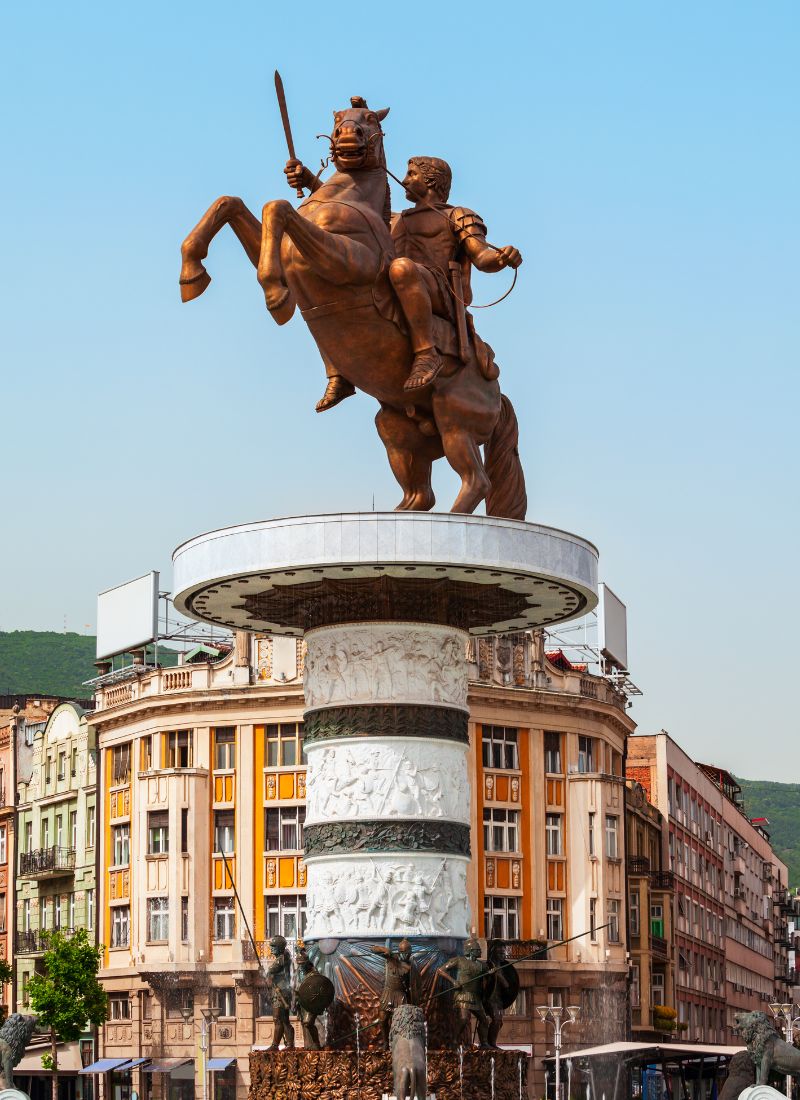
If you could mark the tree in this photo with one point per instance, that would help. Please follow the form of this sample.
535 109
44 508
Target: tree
66 995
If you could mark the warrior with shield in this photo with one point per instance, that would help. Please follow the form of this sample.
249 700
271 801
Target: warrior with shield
279 980
467 974
396 983
313 995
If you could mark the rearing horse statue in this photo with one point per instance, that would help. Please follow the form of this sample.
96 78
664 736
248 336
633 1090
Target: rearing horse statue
330 257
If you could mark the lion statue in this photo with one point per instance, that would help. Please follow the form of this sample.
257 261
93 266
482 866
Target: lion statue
15 1034
770 1053
741 1075
407 1044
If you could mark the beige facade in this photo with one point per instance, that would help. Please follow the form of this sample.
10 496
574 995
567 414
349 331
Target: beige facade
730 939
206 759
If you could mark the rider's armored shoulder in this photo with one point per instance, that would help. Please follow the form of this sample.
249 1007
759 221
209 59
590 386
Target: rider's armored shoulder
466 223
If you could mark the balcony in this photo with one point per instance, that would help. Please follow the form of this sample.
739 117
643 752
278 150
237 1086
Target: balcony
659 946
638 865
34 942
662 880
47 863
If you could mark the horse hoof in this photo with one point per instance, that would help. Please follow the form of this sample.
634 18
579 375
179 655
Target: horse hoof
280 306
193 288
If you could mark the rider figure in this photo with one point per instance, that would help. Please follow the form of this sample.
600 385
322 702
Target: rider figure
428 237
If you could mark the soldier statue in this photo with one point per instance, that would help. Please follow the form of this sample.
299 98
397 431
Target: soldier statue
396 984
500 989
279 978
436 246
470 972
313 993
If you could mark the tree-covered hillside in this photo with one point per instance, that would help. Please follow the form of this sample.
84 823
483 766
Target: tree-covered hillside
46 663
780 802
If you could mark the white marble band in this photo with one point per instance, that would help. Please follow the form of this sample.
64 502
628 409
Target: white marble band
386 663
362 896
387 777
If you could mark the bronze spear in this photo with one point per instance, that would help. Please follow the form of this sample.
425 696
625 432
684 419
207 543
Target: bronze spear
287 129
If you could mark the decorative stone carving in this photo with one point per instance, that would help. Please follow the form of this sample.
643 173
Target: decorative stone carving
384 778
356 895
403 720
334 837
386 663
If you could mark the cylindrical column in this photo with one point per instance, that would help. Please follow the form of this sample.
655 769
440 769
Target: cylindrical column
387 825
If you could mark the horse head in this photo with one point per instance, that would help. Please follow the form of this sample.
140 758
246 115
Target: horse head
357 138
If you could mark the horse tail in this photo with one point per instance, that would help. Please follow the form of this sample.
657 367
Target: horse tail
507 496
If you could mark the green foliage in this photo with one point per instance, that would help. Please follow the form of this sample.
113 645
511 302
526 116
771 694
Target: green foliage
780 803
67 995
6 971
41 662
47 1060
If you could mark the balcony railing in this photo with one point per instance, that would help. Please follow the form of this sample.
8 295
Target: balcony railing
659 946
261 951
46 862
34 942
662 880
638 865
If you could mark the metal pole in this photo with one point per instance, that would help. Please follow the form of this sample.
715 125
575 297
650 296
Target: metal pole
204 1048
558 1058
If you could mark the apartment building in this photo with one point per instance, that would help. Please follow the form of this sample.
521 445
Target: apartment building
56 848
651 891
204 789
728 958
8 725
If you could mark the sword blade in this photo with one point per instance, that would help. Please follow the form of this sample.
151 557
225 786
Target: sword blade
287 129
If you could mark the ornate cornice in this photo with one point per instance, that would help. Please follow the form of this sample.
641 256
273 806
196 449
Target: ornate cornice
346 837
399 720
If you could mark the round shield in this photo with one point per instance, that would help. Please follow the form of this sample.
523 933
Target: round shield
503 985
315 993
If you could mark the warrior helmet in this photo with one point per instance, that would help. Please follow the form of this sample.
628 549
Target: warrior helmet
404 948
277 945
472 948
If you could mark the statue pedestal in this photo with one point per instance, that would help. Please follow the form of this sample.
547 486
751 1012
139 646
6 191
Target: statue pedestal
387 603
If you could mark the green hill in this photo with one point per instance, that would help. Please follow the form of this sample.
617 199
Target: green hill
44 662
780 803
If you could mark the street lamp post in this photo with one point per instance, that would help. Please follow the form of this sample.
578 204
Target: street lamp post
784 1013
554 1014
208 1016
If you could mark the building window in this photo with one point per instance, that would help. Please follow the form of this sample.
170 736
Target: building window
73 764
223 831
284 828
120 926
184 919
3 844
184 830
501 917
552 752
73 829
71 911
612 836
57 912
46 832
158 832
119 1007
28 837
633 907
25 979
284 744
585 754
500 830
121 835
592 848
657 921
593 919
145 753
226 1002
635 995
224 748
179 749
613 920
90 910
657 988
157 920
48 770
26 915
224 919
59 830
121 764
62 765
554 831
499 746
91 823
555 919
286 915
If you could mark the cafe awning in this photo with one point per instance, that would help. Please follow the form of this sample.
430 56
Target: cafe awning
219 1063
167 1065
104 1065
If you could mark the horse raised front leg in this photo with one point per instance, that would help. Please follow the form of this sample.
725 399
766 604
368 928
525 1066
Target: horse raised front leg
227 210
332 256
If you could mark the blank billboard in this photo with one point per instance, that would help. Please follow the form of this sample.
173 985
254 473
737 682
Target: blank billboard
612 621
127 616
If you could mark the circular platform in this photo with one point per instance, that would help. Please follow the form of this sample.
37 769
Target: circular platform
479 573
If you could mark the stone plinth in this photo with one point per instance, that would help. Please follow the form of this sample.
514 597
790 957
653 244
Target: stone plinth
334 1075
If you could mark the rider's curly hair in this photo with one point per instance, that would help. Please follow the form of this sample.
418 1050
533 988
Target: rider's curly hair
437 174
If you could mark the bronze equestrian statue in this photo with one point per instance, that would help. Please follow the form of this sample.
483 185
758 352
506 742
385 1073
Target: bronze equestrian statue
387 316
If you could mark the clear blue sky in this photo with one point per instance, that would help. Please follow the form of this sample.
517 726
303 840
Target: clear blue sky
645 159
